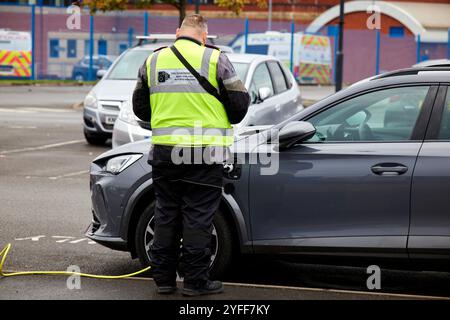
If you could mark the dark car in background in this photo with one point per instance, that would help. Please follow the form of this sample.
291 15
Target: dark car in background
364 173
80 71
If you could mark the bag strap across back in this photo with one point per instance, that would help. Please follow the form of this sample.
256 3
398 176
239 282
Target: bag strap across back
201 79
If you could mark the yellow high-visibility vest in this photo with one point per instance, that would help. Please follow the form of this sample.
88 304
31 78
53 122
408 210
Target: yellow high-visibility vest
182 112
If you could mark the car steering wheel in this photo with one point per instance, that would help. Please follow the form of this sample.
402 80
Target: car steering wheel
361 131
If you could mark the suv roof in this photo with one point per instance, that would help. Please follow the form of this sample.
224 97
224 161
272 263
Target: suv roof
434 63
412 76
419 71
235 57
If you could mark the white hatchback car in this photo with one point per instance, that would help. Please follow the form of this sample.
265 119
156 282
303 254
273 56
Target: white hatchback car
274 93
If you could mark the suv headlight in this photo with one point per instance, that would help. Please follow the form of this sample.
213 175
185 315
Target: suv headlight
127 115
118 164
91 100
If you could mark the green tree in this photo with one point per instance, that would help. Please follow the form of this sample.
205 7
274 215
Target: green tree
235 6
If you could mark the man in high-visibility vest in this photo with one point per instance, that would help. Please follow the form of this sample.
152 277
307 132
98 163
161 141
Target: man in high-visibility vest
191 105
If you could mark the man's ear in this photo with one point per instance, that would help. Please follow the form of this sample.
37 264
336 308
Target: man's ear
177 32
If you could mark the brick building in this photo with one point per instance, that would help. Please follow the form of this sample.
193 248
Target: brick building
57 48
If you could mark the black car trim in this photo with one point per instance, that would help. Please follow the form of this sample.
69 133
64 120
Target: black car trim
423 120
434 127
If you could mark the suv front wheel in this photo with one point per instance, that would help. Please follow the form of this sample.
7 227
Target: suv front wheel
222 242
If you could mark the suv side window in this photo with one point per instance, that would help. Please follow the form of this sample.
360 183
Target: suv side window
384 115
279 81
444 131
261 78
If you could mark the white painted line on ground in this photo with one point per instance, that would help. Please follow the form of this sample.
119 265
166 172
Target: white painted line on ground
79 240
15 110
34 238
61 239
64 238
47 146
69 175
35 109
22 127
39 109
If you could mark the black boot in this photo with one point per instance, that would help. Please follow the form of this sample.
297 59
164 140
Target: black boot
209 287
167 289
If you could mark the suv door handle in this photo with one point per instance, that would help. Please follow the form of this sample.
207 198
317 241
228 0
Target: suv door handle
389 169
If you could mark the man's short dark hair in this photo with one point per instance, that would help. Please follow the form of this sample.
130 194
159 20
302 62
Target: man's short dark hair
196 21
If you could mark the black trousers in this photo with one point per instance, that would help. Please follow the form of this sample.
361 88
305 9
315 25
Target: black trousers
185 207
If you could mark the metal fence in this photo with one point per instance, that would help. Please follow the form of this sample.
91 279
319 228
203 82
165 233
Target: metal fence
64 45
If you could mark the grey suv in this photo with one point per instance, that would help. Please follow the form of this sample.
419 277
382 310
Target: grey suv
364 173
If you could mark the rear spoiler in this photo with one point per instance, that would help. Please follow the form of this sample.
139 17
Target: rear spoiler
154 38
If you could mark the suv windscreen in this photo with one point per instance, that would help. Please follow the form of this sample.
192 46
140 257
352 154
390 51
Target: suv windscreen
241 69
128 66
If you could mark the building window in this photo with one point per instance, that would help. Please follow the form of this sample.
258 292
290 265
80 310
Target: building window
86 47
122 47
396 32
71 48
102 47
54 48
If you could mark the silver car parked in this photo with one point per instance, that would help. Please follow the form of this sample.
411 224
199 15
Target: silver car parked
104 102
274 93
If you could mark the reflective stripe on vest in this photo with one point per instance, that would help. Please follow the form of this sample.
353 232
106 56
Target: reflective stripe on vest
179 102
195 136
192 131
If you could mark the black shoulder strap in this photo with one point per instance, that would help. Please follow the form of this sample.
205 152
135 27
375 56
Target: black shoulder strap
201 79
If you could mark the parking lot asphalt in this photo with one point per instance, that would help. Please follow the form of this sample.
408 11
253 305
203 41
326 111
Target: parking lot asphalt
42 96
67 96
45 209
55 288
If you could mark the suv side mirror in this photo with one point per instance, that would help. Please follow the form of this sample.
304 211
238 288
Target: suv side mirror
264 93
295 132
101 73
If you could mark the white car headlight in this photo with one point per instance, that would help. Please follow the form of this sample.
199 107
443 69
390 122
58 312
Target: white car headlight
91 100
127 115
118 164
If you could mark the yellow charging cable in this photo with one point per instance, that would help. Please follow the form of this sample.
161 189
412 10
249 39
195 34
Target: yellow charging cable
6 249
